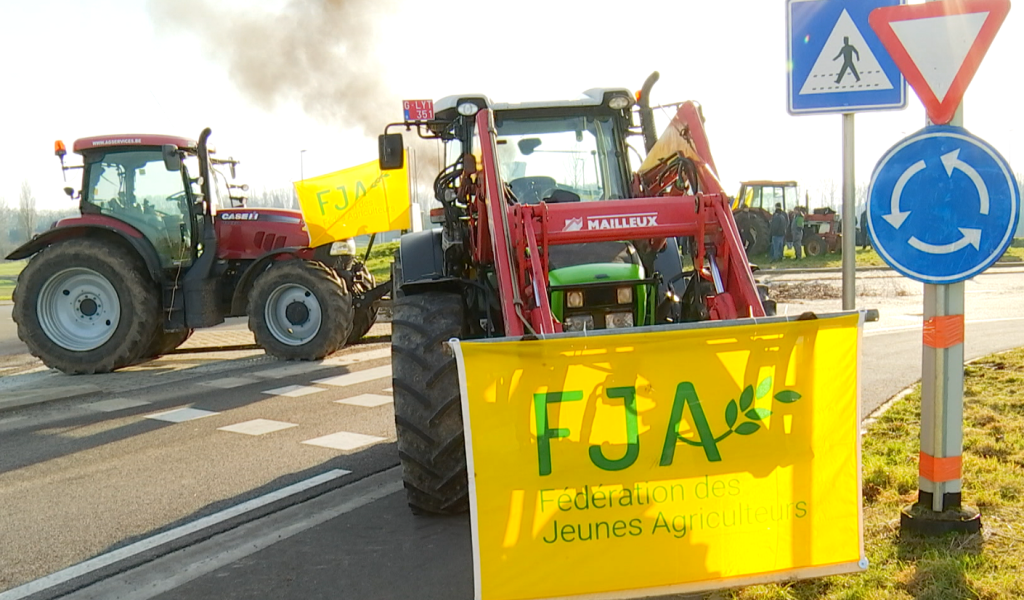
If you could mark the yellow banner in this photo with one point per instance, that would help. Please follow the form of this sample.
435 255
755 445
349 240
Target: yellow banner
663 462
355 201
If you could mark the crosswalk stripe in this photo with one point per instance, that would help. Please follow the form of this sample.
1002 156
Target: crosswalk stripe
344 440
181 415
294 391
357 377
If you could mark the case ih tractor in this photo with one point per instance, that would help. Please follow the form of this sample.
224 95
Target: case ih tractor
753 208
159 250
546 229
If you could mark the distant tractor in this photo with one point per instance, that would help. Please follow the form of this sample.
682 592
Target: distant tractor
163 245
753 208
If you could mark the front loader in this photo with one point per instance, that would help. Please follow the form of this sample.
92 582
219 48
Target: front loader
545 228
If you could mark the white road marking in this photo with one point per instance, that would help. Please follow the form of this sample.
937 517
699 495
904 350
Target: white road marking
149 543
188 564
257 427
357 377
289 370
181 415
338 361
343 440
367 400
358 357
225 383
114 404
294 391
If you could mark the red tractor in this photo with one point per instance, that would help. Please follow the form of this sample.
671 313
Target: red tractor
164 246
546 230
753 208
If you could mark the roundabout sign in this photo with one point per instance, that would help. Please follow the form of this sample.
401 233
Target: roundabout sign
943 205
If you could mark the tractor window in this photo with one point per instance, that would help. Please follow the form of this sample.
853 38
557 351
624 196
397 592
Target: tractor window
134 186
577 154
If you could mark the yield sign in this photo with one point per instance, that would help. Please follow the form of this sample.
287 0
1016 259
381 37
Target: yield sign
938 46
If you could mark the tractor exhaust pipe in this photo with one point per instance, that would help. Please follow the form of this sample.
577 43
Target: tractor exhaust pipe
646 113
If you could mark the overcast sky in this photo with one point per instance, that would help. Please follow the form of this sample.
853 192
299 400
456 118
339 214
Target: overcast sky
275 77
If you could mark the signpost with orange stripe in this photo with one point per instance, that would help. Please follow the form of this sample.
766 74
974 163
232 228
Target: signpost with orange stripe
943 206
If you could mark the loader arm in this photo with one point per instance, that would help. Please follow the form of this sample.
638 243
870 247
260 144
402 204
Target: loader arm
522 234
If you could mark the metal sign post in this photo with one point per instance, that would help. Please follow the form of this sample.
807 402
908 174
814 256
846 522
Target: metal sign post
837 64
943 207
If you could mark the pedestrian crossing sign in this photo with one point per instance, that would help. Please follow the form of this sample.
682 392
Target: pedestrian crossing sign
836 62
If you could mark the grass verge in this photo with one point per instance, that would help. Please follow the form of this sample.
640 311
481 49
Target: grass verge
380 259
866 257
983 566
9 270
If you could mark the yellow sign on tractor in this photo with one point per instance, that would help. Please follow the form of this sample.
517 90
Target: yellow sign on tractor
663 461
356 201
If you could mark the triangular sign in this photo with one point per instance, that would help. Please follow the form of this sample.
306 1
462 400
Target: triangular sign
938 46
829 76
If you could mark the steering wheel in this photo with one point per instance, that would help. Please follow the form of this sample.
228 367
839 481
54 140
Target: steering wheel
531 190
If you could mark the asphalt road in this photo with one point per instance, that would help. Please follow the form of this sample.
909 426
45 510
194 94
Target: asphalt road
287 489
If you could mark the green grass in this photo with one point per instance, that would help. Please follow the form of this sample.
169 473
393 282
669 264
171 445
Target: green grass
9 270
380 260
956 566
865 258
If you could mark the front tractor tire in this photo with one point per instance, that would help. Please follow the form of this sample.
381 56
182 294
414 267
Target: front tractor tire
754 232
83 306
300 310
365 317
428 409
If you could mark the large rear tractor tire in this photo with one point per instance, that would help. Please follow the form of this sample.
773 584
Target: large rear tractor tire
83 306
165 341
753 232
300 310
428 409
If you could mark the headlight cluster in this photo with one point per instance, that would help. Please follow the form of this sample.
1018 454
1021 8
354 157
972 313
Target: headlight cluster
344 248
618 320
579 323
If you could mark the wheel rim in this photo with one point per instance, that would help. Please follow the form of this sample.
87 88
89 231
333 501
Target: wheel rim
78 309
293 314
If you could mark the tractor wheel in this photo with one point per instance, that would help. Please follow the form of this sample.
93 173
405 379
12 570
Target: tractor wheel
165 341
300 310
770 306
365 317
428 409
754 233
82 306
814 245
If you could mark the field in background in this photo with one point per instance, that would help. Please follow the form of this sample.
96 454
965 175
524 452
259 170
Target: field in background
382 254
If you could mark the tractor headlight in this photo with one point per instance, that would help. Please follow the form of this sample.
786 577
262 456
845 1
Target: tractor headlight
624 295
619 102
468 109
574 299
344 248
618 320
579 323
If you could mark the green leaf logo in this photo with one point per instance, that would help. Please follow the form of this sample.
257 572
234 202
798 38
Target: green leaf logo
730 414
746 398
757 414
747 428
764 387
787 396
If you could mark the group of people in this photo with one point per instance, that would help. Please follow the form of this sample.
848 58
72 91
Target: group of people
780 225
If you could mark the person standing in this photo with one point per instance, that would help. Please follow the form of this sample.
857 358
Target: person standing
798 231
777 228
865 239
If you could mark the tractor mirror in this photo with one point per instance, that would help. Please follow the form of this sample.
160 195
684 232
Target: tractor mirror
172 160
528 145
391 151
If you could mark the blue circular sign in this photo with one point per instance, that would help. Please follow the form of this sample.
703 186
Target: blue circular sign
943 205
